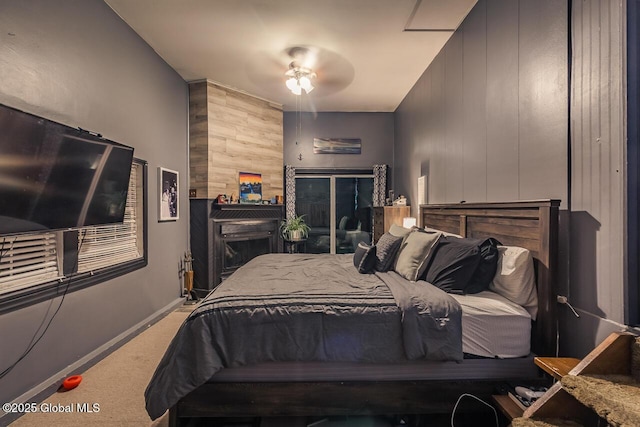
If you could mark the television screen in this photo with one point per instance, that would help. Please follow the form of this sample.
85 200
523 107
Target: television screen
55 177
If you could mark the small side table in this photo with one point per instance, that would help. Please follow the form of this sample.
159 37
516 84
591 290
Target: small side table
293 246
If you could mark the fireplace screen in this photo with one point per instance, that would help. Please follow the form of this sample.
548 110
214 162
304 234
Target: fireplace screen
239 252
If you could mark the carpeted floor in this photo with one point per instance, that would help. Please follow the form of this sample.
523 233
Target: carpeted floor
116 383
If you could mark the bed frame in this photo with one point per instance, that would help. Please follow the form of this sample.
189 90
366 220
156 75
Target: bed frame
529 224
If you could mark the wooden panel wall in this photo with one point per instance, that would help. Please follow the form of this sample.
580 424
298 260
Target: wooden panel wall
232 132
488 121
597 170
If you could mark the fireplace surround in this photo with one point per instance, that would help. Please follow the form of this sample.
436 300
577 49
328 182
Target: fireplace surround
226 236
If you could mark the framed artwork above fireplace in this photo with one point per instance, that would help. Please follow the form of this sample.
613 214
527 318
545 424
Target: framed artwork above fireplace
250 187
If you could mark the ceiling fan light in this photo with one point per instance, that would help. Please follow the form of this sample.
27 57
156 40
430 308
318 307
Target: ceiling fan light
297 90
292 83
305 84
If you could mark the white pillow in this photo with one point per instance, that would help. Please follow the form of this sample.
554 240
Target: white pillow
515 278
444 233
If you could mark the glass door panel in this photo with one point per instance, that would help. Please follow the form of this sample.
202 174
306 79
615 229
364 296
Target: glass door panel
313 200
353 212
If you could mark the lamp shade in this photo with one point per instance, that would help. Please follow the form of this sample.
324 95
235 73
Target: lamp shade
292 83
299 78
305 84
409 222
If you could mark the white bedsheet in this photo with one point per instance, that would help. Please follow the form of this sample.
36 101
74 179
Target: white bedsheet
493 326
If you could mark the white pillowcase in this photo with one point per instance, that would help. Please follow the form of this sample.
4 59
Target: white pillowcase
444 233
515 278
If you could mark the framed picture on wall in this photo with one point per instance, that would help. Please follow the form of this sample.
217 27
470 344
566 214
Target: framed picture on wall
168 185
250 187
337 145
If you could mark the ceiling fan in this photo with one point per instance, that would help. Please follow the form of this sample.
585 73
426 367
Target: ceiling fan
300 72
328 72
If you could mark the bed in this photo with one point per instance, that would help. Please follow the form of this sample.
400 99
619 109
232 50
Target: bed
350 382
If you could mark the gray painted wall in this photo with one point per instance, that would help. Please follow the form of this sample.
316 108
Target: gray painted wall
488 119
598 171
78 63
374 129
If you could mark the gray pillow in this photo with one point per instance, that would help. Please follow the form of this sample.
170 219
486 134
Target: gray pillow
399 231
411 261
386 250
364 258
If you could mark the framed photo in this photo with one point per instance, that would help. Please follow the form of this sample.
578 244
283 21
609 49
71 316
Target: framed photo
250 187
337 145
168 185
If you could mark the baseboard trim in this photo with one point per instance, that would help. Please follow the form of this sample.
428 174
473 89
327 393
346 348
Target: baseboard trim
51 384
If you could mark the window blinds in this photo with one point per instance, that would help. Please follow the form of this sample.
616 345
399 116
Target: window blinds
108 245
27 260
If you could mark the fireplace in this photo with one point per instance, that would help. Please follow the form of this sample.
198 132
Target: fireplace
225 237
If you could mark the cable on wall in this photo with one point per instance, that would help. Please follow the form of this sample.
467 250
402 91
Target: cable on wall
36 339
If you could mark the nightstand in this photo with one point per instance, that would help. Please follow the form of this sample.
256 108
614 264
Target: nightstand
384 216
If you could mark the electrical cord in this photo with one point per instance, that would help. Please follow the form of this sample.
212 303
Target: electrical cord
34 341
495 413
4 241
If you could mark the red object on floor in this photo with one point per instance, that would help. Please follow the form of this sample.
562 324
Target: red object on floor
72 382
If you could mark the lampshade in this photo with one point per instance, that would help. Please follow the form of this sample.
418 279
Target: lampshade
409 222
299 79
292 82
305 84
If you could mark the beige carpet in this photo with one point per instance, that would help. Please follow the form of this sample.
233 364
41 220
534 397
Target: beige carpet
116 383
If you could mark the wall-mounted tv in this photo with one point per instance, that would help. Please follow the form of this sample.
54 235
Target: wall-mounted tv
56 177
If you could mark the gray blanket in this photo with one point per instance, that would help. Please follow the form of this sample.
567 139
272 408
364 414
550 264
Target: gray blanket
283 307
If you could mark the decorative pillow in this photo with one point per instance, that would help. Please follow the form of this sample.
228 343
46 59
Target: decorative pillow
411 261
364 258
487 266
515 278
453 262
386 250
399 231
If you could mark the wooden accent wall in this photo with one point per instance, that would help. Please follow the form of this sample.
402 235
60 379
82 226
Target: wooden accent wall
232 132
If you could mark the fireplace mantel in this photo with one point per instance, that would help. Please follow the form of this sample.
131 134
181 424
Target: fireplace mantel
220 234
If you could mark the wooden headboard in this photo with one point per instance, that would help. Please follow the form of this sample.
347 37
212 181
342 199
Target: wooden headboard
529 224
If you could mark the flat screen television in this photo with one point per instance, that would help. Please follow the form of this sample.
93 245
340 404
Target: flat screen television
56 177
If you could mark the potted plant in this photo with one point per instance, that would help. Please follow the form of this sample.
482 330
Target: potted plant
294 228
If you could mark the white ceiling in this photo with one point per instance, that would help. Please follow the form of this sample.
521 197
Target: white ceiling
368 53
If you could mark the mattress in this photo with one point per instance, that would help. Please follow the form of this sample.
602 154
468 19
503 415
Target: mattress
493 326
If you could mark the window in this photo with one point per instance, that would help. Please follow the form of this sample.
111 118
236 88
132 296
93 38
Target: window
28 260
108 245
33 266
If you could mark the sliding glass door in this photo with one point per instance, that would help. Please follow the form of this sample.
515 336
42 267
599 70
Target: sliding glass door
313 200
339 210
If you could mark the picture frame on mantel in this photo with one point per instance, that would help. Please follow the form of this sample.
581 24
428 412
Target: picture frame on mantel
168 197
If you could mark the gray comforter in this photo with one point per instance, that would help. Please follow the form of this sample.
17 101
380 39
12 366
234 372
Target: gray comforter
283 307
